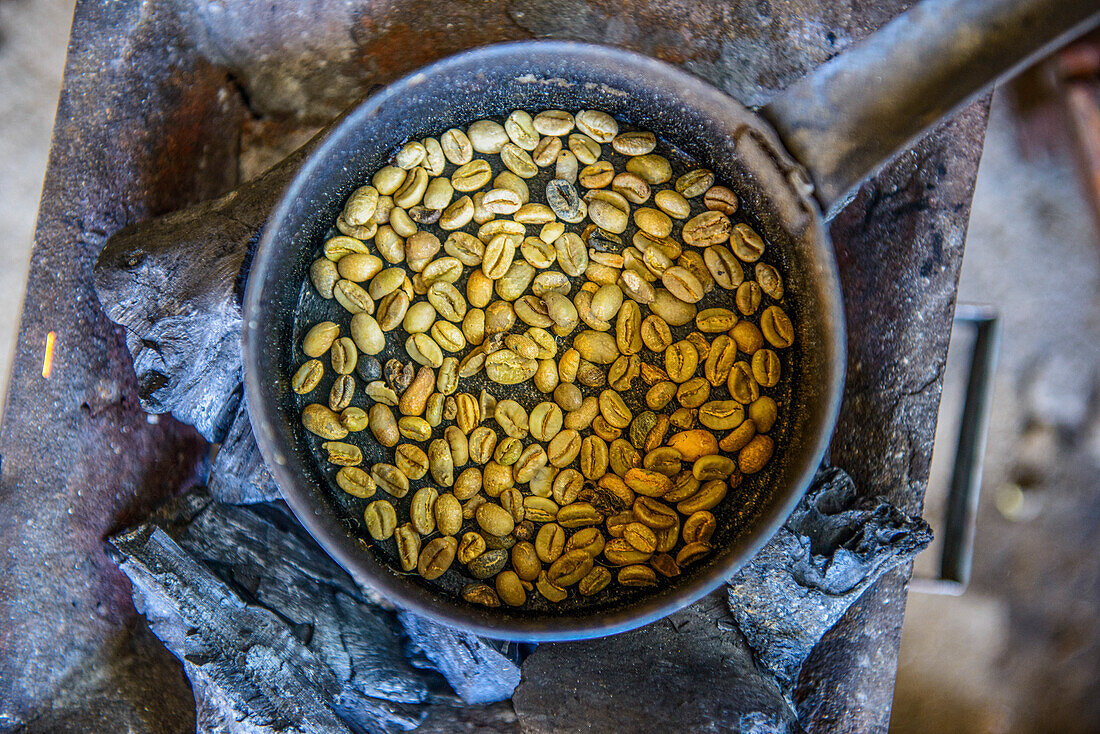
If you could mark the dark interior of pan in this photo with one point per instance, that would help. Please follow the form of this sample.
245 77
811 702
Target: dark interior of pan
685 112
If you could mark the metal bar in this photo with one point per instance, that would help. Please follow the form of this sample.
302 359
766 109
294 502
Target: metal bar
855 112
966 476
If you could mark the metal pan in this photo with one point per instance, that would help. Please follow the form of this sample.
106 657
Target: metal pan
839 124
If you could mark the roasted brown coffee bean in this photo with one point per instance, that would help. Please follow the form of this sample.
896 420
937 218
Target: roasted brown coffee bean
380 519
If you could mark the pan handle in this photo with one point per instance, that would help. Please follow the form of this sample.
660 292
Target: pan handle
856 111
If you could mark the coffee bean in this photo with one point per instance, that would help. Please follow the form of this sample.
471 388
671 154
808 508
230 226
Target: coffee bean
699 527
681 361
525 561
692 553
570 568
741 384
390 479
648 482
470 546
380 519
323 421
578 514
653 513
353 419
495 520
436 557
355 482
510 589
622 311
746 243
408 546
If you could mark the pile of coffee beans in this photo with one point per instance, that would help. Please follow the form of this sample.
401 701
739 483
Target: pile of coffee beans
563 344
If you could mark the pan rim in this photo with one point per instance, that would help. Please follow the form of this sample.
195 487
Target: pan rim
323 524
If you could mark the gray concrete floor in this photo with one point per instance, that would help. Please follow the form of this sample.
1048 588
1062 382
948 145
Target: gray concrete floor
34 35
1018 652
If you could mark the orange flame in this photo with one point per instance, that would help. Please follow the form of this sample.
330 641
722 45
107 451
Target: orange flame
47 359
